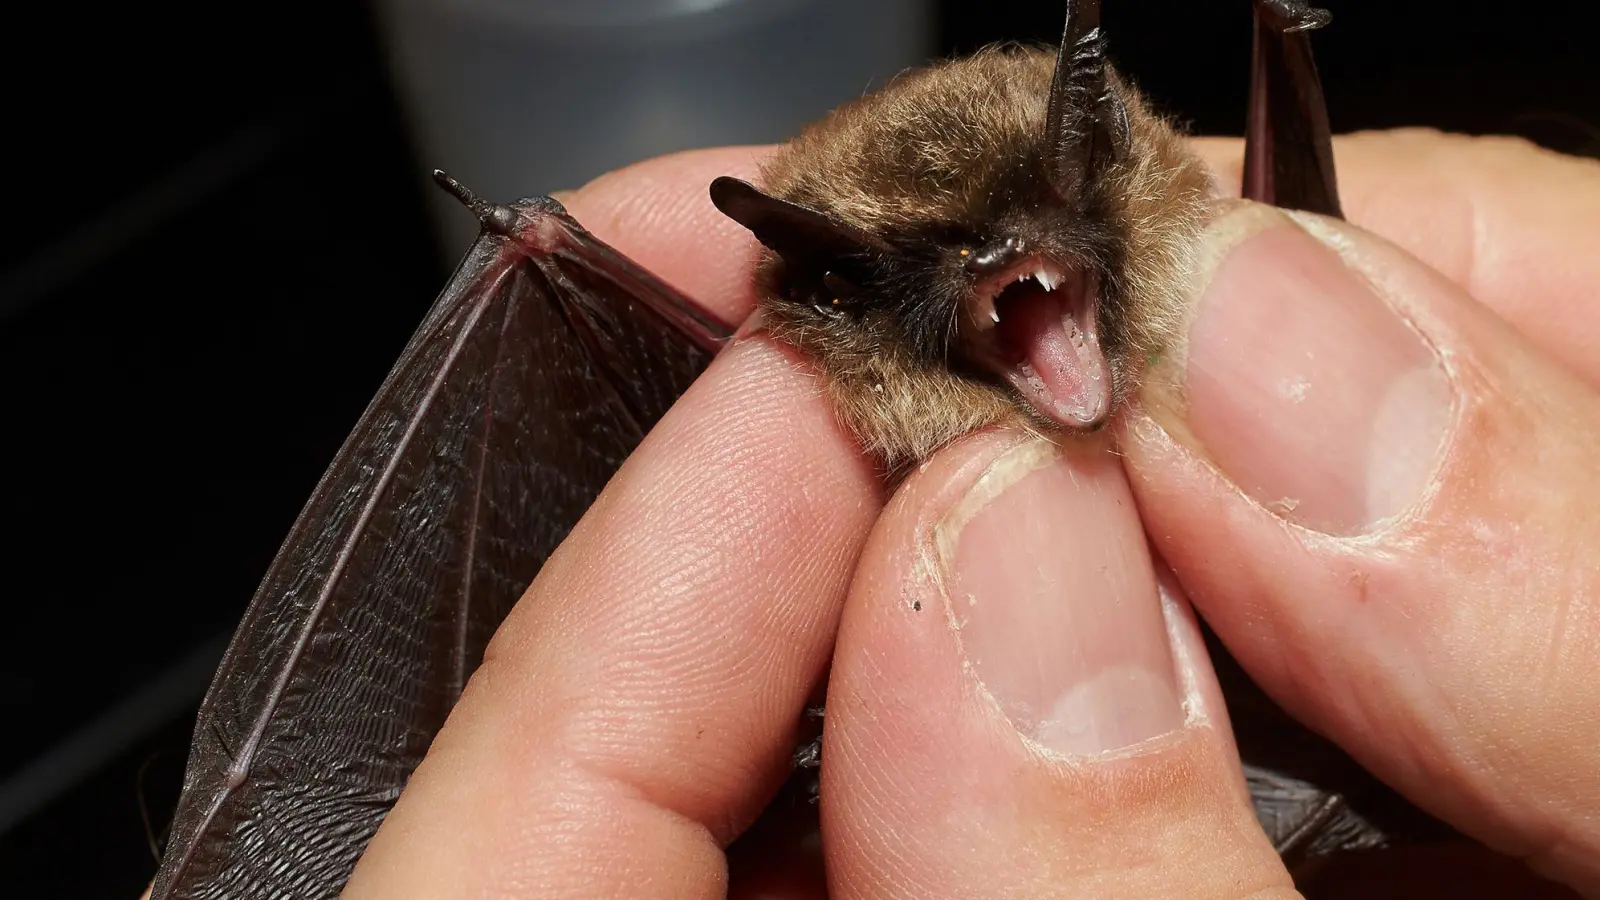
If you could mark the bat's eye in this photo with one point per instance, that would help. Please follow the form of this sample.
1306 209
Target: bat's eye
839 293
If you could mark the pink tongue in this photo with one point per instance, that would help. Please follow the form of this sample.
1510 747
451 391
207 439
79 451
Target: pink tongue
1061 370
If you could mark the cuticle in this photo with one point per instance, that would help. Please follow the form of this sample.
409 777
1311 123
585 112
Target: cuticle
1246 220
1164 388
1193 699
937 548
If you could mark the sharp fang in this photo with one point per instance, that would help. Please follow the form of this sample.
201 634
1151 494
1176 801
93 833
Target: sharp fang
1044 278
994 317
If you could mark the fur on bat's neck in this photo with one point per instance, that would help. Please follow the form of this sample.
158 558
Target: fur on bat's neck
944 158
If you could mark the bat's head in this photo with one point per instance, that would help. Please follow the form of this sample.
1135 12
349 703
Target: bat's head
997 237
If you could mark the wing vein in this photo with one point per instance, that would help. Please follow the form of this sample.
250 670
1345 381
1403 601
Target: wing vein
579 318
239 770
463 617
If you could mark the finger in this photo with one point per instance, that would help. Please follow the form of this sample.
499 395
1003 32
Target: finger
1383 499
641 703
659 213
1512 223
1015 710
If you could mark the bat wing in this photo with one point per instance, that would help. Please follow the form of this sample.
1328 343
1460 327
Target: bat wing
1288 155
537 371
1311 798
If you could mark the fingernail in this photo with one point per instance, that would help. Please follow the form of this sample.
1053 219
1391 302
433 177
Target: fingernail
1050 586
1301 383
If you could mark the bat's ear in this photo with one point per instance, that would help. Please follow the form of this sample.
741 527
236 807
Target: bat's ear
804 237
1087 123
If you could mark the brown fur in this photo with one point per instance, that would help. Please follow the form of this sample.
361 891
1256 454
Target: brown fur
952 145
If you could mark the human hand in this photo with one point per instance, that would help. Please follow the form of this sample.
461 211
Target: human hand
1385 506
1067 737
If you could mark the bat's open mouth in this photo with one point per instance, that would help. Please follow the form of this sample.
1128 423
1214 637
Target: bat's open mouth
1035 325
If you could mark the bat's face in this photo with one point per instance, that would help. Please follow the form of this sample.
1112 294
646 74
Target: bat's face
943 279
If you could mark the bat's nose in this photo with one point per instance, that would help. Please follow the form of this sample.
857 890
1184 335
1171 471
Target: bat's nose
996 256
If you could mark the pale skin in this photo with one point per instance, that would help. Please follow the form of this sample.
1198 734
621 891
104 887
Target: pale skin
1438 616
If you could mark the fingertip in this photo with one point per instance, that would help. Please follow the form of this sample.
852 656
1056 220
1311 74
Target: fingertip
1376 491
659 213
1509 221
1010 684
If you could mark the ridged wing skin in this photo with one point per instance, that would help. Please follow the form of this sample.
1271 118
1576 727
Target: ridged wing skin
537 371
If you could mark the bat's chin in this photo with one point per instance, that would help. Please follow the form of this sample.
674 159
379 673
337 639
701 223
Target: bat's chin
1035 325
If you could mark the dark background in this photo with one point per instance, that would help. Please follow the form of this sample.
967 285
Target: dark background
214 248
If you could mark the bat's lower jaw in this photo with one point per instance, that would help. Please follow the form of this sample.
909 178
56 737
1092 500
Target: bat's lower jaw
1040 334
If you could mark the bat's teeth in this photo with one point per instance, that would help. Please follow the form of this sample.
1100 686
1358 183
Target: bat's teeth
994 316
1046 279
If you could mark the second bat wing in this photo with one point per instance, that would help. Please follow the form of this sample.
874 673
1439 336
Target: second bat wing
1288 150
537 371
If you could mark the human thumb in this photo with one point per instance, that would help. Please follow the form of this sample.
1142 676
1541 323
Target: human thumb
1386 503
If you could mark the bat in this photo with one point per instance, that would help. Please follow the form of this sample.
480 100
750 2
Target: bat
997 238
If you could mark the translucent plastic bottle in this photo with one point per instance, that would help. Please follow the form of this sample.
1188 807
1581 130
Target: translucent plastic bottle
520 97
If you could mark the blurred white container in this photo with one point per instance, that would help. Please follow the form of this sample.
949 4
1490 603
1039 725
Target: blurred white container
523 97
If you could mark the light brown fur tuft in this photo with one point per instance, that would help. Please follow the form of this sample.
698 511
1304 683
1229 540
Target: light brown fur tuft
943 148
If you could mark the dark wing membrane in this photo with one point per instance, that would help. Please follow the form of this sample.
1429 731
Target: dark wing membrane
1311 798
534 375
1288 155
